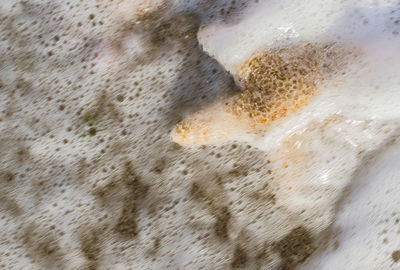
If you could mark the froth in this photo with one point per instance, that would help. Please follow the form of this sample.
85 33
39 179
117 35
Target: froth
90 91
366 228
337 121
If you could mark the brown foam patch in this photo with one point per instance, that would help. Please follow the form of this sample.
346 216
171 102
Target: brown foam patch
281 81
276 82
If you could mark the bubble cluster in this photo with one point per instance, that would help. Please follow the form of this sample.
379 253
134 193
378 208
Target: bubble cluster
281 81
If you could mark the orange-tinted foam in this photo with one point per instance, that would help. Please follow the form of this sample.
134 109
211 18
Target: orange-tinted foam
281 81
276 82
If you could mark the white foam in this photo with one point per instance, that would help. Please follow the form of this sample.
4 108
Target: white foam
366 226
